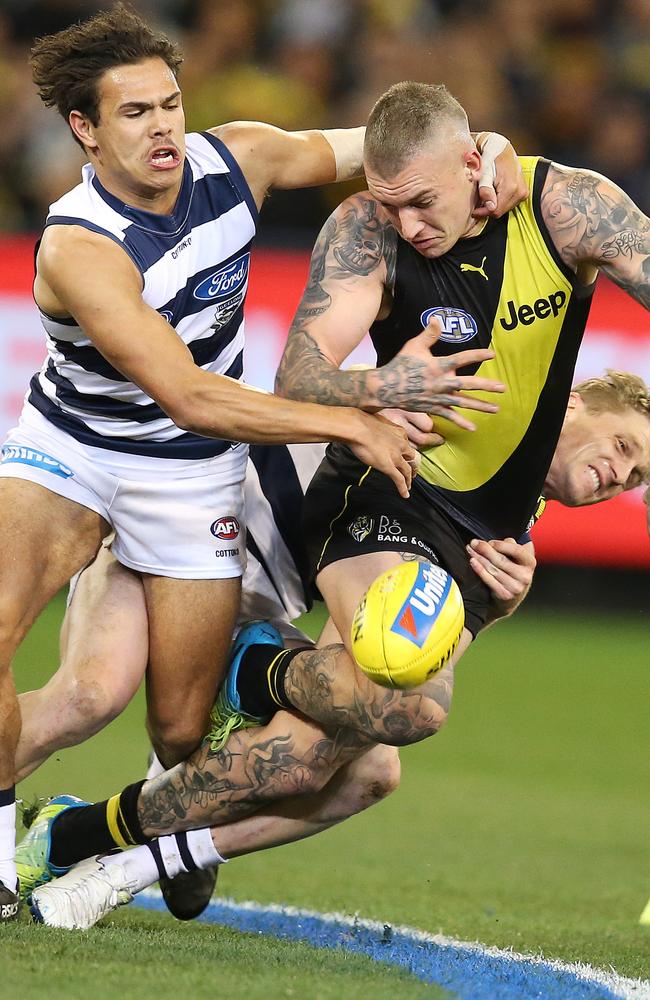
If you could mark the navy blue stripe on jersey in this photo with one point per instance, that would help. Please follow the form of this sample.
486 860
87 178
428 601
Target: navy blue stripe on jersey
149 236
88 358
212 198
236 173
203 351
281 486
207 349
101 405
161 225
109 406
190 446
71 220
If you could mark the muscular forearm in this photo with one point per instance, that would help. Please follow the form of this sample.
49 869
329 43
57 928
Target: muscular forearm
305 373
222 407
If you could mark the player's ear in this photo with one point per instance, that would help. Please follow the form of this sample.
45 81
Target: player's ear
574 406
472 159
576 402
82 129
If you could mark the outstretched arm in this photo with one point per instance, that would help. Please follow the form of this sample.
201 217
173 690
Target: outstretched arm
593 222
272 158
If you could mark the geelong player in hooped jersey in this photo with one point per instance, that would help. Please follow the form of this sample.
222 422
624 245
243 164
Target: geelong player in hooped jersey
133 423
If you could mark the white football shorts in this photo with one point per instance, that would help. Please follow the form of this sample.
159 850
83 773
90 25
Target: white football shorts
171 517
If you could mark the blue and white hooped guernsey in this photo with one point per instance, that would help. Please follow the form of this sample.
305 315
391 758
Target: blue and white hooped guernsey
194 265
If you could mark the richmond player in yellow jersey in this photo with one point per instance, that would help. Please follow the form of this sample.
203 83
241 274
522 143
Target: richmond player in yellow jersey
407 255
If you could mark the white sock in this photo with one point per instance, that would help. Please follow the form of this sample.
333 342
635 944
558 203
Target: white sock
138 865
183 852
8 846
166 856
155 767
202 848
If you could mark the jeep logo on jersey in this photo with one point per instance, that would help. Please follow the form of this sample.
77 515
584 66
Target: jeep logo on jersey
226 528
226 281
457 325
527 314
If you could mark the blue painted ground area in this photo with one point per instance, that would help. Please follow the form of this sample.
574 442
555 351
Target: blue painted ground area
471 972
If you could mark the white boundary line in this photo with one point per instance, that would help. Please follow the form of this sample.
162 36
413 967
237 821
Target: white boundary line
618 986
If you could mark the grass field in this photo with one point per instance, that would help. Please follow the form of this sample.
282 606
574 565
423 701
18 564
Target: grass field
523 824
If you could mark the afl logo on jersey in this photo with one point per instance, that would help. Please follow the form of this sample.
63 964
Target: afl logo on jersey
226 528
457 325
226 281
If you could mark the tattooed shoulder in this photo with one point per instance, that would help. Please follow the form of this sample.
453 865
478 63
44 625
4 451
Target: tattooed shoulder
365 238
590 219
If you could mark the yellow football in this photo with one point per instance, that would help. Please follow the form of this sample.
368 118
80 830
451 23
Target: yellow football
407 624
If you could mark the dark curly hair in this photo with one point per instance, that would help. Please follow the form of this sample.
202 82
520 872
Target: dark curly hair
67 66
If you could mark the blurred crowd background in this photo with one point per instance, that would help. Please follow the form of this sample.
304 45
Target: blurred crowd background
571 81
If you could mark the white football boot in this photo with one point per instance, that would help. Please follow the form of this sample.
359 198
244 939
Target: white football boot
88 892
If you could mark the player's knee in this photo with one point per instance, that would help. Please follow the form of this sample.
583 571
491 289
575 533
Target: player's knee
368 781
380 774
175 739
90 705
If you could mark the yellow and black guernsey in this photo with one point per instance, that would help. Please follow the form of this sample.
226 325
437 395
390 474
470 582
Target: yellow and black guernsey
507 289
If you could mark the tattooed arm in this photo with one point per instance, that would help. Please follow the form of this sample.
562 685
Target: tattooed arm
351 282
592 221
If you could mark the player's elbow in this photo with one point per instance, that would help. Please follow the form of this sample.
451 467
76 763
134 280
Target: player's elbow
191 413
289 384
184 412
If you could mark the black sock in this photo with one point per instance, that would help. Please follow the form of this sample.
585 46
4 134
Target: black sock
80 832
260 681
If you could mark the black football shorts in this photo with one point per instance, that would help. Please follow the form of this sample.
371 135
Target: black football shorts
351 509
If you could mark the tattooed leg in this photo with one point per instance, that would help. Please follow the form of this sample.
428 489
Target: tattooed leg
290 756
353 788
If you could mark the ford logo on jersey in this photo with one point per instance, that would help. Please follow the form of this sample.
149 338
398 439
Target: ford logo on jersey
427 596
226 281
457 325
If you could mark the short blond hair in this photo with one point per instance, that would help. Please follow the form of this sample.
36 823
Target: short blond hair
404 118
615 391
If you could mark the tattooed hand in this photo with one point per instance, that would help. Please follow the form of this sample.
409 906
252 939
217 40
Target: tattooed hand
416 380
592 221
